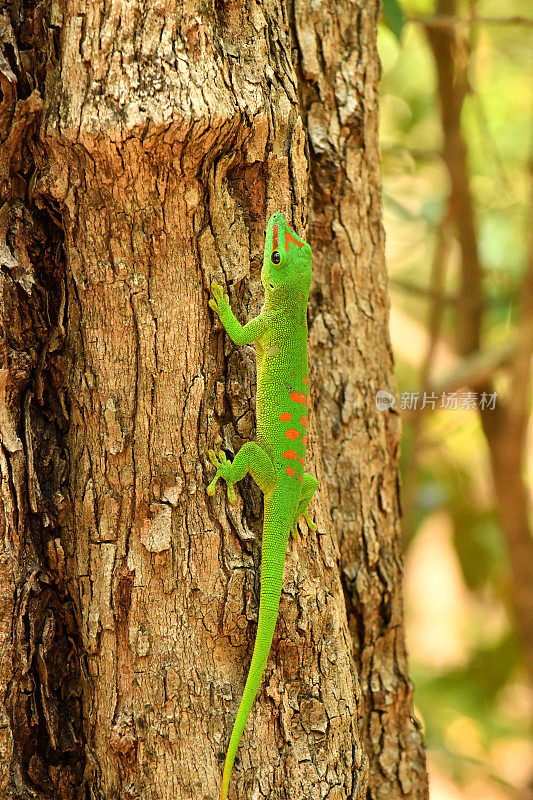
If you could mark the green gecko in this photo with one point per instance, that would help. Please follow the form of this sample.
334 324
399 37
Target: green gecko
276 461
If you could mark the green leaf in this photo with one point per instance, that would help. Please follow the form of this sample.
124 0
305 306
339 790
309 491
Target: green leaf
393 17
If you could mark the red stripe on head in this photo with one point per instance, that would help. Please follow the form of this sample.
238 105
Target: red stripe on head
290 238
274 238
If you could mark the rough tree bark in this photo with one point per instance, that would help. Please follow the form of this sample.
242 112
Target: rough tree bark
41 651
339 72
143 147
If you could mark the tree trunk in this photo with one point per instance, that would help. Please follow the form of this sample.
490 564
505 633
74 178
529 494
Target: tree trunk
129 598
339 73
41 651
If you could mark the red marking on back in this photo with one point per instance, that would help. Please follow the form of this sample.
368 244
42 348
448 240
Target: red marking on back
302 460
306 379
292 434
290 471
274 238
285 417
290 238
304 441
304 421
292 454
300 478
298 397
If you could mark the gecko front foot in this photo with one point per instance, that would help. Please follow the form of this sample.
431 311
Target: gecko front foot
223 467
219 301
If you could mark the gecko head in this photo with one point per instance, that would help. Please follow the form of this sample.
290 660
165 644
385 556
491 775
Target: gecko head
286 273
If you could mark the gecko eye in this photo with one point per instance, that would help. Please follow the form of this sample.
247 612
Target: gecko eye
275 257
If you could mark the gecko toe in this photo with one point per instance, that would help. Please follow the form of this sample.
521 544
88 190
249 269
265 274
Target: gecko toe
310 524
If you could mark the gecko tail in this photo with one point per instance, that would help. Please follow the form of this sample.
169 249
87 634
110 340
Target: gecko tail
268 614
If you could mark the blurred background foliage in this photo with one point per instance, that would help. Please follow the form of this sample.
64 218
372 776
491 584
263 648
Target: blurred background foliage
457 142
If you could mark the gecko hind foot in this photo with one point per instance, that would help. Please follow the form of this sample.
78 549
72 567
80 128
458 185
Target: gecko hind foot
309 485
302 512
310 524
